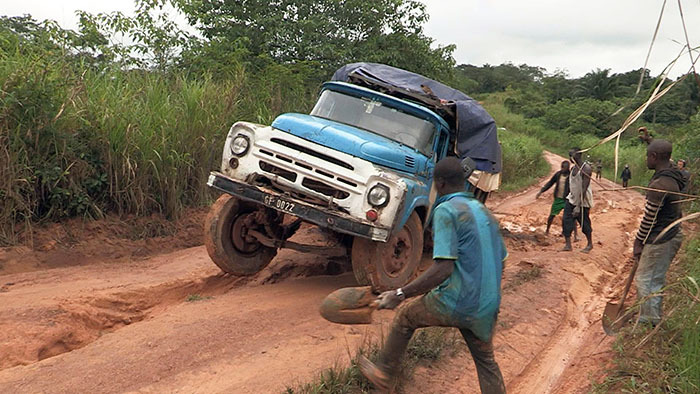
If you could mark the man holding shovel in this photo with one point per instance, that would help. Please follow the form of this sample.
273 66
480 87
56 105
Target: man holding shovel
653 252
461 289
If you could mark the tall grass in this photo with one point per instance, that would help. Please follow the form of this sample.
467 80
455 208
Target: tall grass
670 360
523 163
79 141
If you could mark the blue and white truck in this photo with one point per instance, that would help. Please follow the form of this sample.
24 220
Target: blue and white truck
359 166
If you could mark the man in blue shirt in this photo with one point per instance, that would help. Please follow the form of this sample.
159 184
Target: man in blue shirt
461 289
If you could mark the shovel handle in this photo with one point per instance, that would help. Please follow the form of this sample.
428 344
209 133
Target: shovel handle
628 285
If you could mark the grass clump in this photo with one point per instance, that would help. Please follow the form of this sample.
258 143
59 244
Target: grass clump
668 360
430 344
524 276
427 345
197 297
341 379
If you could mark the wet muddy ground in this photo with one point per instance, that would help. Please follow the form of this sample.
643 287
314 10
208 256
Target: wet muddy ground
148 320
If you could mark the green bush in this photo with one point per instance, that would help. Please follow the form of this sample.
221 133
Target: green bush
523 163
631 152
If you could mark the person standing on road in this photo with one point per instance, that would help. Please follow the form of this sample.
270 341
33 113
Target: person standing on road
560 181
579 201
653 253
599 169
645 135
461 289
626 175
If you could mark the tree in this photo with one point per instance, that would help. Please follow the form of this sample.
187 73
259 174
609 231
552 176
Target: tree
499 78
329 32
558 87
154 40
626 85
677 106
598 85
588 116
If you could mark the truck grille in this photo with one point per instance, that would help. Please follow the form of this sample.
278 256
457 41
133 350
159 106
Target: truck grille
312 152
325 189
315 183
272 169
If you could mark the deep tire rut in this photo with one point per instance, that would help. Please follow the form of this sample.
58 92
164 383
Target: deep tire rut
79 321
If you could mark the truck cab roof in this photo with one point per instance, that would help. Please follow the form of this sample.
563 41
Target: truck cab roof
403 105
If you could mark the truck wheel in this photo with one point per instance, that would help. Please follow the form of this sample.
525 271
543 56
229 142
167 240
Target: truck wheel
392 264
224 237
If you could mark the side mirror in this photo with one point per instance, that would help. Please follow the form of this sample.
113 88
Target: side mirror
468 165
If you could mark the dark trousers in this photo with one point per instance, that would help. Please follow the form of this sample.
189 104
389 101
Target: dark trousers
569 221
624 182
416 315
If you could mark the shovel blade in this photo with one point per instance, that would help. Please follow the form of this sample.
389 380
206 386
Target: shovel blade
614 318
350 305
610 314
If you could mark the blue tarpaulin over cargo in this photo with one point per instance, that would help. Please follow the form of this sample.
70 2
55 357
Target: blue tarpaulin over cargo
476 135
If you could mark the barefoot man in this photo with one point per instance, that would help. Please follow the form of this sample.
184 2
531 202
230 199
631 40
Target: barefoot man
560 181
579 201
461 289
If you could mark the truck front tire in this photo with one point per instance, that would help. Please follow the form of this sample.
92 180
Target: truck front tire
226 244
392 264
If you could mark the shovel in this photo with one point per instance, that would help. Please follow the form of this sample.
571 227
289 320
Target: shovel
350 305
613 319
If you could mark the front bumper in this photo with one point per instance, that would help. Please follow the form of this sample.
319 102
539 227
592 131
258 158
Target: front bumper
332 220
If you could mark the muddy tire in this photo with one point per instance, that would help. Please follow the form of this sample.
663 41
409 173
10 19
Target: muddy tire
232 253
392 264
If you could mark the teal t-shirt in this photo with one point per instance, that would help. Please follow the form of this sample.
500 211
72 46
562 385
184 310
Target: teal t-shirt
466 232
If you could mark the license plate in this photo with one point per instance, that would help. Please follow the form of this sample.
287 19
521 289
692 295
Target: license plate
278 203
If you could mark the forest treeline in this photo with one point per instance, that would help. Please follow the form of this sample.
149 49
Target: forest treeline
127 114
563 112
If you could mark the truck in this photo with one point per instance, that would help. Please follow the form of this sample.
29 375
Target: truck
359 166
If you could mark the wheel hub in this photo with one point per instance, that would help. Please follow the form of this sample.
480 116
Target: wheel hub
239 234
399 257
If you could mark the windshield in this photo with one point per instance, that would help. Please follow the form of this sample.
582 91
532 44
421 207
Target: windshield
378 118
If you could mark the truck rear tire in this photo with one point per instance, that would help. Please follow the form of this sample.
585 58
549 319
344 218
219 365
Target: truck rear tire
392 264
230 251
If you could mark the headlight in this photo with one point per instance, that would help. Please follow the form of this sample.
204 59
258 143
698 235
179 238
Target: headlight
240 145
378 196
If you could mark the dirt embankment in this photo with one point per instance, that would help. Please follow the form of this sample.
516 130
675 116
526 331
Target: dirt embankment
173 323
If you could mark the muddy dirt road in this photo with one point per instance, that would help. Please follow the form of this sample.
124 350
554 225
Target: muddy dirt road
173 323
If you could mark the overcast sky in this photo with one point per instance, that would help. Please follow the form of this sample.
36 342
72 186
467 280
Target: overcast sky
576 36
